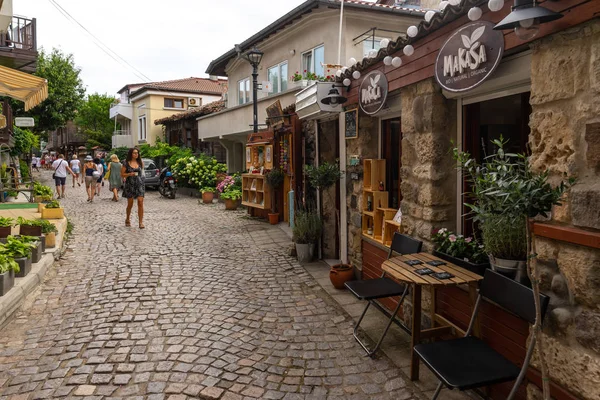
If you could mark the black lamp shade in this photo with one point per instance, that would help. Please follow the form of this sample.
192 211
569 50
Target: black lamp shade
524 10
333 97
254 56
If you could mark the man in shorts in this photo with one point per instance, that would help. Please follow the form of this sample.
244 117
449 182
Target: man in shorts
60 167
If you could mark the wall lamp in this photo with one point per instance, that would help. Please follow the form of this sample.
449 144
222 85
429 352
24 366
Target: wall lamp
525 18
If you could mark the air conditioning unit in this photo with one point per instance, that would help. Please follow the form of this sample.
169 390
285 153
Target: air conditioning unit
194 102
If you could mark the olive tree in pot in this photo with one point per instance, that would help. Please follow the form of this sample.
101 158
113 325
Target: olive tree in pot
506 194
274 180
306 231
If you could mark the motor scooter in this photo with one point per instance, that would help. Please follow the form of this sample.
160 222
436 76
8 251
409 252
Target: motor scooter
167 186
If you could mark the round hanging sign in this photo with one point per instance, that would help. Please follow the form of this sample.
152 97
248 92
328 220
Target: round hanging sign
469 56
373 92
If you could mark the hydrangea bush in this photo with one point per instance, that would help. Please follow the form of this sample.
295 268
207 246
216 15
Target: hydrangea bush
230 182
464 248
198 171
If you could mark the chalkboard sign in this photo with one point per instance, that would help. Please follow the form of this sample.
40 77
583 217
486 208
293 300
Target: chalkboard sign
351 119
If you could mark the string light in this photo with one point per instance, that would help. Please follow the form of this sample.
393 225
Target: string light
443 5
412 31
429 15
387 60
408 50
351 61
384 43
356 74
495 5
475 13
396 62
347 82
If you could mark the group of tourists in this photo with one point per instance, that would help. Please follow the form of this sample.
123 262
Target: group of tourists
127 176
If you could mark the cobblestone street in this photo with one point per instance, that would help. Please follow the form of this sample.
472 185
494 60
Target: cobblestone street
203 303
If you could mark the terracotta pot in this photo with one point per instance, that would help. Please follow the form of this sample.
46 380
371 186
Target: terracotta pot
273 218
340 274
207 197
5 231
231 204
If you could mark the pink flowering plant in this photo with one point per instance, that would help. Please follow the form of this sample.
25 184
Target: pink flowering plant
458 246
226 184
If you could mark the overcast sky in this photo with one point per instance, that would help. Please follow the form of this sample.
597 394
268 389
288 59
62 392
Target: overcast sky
163 39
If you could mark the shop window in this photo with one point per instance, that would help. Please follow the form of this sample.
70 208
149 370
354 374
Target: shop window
277 75
313 59
173 103
244 91
391 151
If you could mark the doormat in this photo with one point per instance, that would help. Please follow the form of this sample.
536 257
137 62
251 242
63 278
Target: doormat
14 206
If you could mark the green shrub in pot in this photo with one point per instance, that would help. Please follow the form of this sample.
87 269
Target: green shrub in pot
16 247
231 194
6 222
53 204
307 231
7 263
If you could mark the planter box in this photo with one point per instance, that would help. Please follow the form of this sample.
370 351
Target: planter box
53 213
477 268
37 252
50 240
24 266
5 231
7 281
41 206
29 230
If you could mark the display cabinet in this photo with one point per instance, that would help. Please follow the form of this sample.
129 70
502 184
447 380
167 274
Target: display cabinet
255 191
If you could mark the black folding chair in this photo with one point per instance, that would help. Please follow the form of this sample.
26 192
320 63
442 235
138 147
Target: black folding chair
468 362
373 289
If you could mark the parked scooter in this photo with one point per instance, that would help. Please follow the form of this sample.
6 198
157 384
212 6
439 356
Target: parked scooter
167 186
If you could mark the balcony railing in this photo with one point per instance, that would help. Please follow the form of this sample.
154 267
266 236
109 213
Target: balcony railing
21 34
121 132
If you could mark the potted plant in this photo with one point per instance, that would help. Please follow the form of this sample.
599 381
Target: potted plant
49 231
36 251
42 193
306 232
53 210
8 268
6 226
208 194
274 179
231 198
463 251
29 227
20 251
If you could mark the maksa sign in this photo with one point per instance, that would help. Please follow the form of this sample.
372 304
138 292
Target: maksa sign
469 56
373 92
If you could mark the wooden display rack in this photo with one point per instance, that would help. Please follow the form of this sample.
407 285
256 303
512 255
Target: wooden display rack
255 191
379 218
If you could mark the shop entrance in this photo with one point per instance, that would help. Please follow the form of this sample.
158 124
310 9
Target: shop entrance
488 120
391 151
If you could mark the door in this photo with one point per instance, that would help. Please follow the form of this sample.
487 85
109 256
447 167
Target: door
391 151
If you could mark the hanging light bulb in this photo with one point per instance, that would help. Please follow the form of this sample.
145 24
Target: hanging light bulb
408 50
351 61
412 31
527 29
396 62
347 82
344 69
356 74
454 2
338 73
429 15
475 13
525 19
495 5
384 43
387 60
372 53
443 5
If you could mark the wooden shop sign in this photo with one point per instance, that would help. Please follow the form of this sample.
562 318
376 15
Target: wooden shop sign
469 56
373 92
275 115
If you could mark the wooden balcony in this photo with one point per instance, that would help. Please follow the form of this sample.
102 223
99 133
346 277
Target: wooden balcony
18 45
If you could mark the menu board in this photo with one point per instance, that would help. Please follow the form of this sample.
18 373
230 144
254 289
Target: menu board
351 123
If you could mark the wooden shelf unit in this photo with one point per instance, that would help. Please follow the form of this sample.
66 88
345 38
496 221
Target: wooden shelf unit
255 191
389 228
374 172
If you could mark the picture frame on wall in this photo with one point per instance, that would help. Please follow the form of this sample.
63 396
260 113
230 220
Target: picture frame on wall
248 156
351 124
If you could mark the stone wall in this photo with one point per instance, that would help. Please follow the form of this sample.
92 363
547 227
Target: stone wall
565 99
328 138
428 170
365 146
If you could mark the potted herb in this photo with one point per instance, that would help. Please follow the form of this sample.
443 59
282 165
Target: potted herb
275 180
6 226
306 232
231 198
20 251
53 210
8 268
208 194
42 193
459 250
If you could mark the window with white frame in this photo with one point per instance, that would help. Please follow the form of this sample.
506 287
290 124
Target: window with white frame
277 75
312 60
142 127
173 103
244 91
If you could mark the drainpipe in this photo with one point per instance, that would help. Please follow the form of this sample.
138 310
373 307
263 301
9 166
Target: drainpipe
339 60
318 191
343 196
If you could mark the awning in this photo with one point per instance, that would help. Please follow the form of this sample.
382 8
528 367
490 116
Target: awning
30 89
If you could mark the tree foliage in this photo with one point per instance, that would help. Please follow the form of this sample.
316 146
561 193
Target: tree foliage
94 113
24 140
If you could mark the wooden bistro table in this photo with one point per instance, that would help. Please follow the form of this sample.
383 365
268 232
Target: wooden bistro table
398 269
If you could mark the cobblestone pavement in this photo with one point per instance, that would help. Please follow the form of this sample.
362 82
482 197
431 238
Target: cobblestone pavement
203 303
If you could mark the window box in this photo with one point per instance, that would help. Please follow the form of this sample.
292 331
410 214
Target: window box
476 268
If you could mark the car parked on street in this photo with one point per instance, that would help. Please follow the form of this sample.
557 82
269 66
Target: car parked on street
152 173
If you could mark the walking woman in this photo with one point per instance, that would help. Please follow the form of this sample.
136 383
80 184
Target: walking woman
114 176
100 168
90 181
75 166
133 170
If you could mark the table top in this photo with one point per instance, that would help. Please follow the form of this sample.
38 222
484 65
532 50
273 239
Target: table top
397 268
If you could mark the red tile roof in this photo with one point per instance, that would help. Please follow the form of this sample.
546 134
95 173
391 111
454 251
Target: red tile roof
190 85
193 113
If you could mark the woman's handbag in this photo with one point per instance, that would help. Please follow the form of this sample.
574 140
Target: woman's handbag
107 175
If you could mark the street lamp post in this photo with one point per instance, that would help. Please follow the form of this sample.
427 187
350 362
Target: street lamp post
254 57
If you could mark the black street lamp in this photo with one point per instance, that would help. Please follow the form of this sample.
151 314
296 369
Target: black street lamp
254 57
525 18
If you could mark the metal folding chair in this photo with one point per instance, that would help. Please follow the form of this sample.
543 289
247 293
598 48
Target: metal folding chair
382 287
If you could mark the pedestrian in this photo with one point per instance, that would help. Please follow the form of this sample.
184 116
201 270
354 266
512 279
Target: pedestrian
114 176
132 170
34 164
89 168
104 166
100 169
61 167
76 167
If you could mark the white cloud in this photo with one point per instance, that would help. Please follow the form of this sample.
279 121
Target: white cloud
162 39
